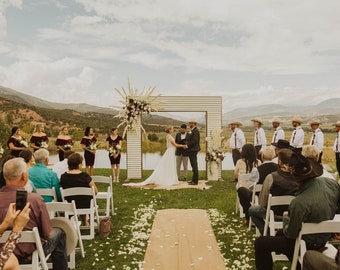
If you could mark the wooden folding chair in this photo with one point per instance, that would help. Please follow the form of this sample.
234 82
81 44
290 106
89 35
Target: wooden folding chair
92 210
105 195
69 211
328 226
270 219
39 260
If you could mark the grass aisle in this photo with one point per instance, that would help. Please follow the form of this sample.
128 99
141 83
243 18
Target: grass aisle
135 209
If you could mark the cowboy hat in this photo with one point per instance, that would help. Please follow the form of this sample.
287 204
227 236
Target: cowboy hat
282 144
303 168
235 123
315 122
337 124
276 120
297 119
71 234
257 120
192 120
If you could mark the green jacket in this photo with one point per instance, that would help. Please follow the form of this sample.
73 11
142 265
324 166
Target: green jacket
316 201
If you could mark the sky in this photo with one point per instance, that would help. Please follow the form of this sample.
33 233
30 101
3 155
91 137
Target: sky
249 52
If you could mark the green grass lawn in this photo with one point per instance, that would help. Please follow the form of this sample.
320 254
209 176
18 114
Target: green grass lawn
135 209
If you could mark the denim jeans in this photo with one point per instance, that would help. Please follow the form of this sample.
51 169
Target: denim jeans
257 214
56 245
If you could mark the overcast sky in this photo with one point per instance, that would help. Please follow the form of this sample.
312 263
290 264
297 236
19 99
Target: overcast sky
249 52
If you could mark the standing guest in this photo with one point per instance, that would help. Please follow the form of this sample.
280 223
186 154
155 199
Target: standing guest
54 239
316 200
43 177
16 142
114 146
28 157
279 134
61 167
260 140
298 135
74 177
267 167
236 141
193 148
336 146
247 164
317 138
39 138
182 153
63 142
88 143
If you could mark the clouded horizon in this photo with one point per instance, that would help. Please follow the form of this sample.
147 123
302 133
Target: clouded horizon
249 52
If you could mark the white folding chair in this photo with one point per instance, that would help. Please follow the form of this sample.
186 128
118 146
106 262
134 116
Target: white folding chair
39 260
105 195
254 200
242 181
70 211
48 192
92 210
270 219
328 226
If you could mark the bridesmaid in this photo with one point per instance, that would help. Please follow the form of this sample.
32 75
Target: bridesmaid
88 143
114 141
39 138
16 143
63 142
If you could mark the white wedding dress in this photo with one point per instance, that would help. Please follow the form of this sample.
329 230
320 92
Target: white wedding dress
165 173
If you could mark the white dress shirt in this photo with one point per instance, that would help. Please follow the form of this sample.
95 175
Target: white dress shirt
237 139
60 167
297 138
279 134
317 139
260 138
336 146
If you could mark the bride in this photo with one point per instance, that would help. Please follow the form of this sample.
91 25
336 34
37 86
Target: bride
165 173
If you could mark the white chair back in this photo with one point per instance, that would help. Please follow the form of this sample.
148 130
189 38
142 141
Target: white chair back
48 192
254 200
105 195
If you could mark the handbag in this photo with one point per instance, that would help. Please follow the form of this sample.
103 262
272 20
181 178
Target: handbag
105 226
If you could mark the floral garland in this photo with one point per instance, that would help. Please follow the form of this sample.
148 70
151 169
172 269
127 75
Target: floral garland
214 152
134 104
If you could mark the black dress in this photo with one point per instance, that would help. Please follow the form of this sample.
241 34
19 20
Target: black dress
82 179
88 156
114 160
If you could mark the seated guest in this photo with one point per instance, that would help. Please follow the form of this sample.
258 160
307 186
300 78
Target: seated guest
61 167
28 157
267 167
54 243
2 163
316 200
281 144
43 177
315 260
74 177
19 219
277 183
247 165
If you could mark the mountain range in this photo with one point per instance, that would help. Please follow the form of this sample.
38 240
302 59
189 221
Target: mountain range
327 111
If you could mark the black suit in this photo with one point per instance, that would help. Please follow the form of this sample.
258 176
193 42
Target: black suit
193 148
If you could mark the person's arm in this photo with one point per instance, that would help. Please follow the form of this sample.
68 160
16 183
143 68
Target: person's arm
92 184
11 146
263 139
264 193
56 185
253 178
292 222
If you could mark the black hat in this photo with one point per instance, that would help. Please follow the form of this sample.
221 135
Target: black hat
282 144
303 168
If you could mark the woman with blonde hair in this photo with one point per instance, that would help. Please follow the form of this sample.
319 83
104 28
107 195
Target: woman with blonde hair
165 173
39 138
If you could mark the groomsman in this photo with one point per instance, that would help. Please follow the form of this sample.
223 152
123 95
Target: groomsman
279 134
193 148
298 135
260 140
236 141
181 153
336 146
317 138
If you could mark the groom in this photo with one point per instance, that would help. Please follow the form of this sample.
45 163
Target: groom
193 148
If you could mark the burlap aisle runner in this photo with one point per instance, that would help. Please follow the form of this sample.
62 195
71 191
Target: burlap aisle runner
182 239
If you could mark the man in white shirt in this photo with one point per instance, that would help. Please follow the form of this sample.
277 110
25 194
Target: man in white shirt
237 140
298 135
260 140
336 146
317 138
61 167
279 134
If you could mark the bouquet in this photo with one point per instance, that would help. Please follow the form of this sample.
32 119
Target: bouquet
93 146
114 150
67 146
44 145
23 143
